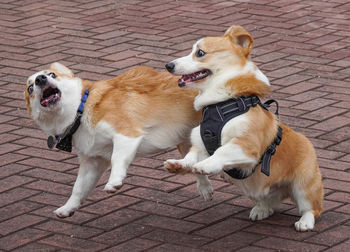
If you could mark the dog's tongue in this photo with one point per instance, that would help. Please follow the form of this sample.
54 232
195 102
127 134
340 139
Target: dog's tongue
44 102
51 99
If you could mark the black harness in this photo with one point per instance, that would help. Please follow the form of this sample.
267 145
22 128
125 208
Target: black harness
64 141
214 118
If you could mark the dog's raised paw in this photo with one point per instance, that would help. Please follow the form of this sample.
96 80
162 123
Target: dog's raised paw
112 188
174 166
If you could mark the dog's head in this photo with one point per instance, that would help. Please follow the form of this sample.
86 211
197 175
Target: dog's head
45 89
214 57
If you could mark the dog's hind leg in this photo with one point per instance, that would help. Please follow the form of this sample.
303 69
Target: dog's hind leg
124 151
184 166
265 206
89 173
309 203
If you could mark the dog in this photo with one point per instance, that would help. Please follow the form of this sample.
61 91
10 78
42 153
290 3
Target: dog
109 122
222 70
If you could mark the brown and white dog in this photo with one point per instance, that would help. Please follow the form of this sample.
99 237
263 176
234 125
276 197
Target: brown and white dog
137 113
221 69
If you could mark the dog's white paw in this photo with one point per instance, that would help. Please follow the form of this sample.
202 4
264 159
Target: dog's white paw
306 222
260 212
112 187
64 212
206 167
176 166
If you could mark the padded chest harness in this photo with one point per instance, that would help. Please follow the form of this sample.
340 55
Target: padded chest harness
214 118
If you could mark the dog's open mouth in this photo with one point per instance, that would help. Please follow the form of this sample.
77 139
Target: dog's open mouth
185 79
50 96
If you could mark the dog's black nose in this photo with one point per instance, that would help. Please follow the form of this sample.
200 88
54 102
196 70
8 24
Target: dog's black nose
40 80
170 67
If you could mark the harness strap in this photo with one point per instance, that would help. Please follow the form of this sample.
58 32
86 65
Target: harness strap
271 150
64 141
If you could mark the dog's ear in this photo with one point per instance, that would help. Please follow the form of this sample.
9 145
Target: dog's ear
241 37
61 69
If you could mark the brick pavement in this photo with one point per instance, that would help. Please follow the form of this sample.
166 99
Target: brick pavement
302 46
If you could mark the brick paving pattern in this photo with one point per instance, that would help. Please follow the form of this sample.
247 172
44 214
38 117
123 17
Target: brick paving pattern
302 46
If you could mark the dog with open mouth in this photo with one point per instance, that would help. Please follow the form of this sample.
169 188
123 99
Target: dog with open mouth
109 122
238 137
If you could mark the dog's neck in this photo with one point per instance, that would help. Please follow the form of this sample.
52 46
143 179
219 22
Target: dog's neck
225 86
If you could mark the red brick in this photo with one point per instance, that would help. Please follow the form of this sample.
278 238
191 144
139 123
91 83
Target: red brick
136 244
76 231
13 181
214 214
344 246
47 164
50 175
162 209
223 228
36 247
116 219
11 169
233 242
169 223
177 238
152 183
18 223
153 195
122 234
198 203
71 243
17 208
332 123
110 204
21 238
288 245
339 196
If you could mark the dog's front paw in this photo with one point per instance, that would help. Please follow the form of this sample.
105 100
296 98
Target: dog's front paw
64 212
260 212
176 166
112 187
206 167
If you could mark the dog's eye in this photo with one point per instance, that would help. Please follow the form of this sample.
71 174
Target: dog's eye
52 75
30 89
200 53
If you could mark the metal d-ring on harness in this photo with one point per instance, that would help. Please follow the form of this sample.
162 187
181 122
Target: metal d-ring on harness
64 141
215 116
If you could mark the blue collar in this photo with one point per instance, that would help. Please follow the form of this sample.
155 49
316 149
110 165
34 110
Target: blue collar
64 141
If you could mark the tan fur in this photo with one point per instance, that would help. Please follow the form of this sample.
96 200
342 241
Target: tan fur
137 98
245 85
